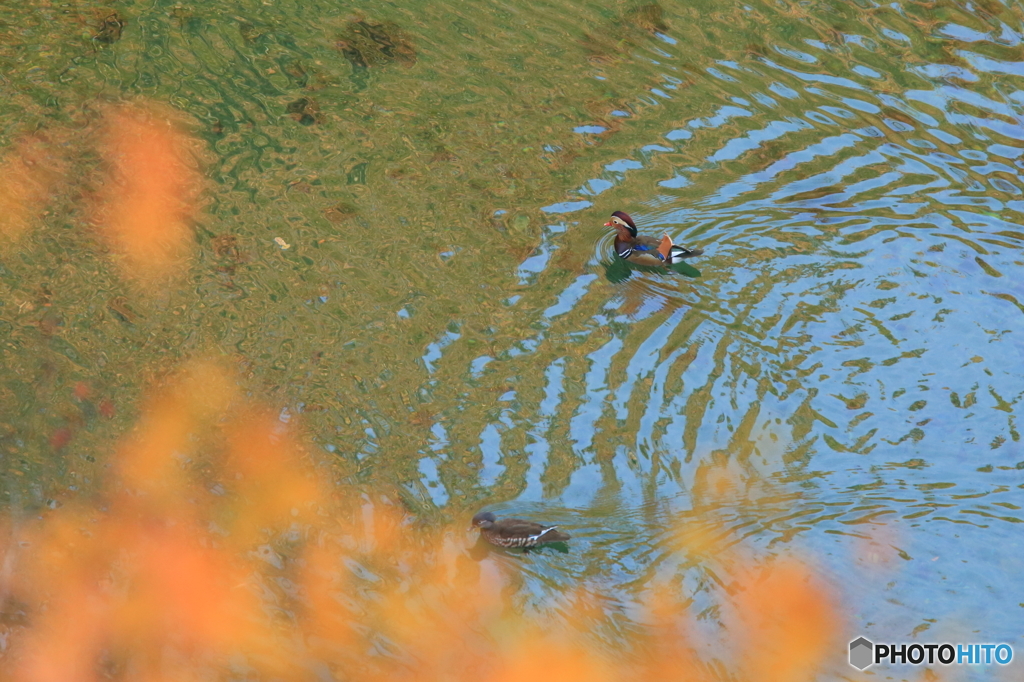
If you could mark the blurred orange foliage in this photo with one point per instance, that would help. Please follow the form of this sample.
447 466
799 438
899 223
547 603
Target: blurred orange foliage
217 551
153 188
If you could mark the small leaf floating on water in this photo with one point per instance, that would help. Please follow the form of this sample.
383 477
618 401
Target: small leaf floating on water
442 153
110 29
60 438
305 110
81 390
50 322
633 27
295 71
119 306
365 44
282 243
226 246
228 252
357 175
249 32
649 17
107 408
341 212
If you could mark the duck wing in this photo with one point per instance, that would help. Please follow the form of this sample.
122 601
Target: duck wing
650 243
510 529
516 528
642 251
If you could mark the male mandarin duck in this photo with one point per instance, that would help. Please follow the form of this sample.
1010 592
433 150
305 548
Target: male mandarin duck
516 532
643 250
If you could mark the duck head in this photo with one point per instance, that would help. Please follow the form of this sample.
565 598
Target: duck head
484 520
623 224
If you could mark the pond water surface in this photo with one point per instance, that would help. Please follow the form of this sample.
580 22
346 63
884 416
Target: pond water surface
448 321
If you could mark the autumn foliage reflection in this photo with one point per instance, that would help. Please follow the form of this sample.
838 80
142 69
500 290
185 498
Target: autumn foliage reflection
152 188
218 551
142 201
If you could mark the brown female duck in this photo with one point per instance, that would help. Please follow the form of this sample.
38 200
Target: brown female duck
516 532
644 250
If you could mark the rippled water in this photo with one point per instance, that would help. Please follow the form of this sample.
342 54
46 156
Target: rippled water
448 319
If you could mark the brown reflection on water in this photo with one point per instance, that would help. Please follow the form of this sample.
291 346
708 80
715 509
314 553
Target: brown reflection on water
29 172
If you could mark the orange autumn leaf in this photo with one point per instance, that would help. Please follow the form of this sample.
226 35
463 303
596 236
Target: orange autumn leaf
539 658
184 593
214 552
150 458
265 468
153 187
792 626
81 390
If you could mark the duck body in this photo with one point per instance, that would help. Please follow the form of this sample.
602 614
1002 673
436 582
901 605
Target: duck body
516 532
643 250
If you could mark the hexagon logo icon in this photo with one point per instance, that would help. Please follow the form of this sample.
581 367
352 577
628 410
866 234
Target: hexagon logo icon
861 651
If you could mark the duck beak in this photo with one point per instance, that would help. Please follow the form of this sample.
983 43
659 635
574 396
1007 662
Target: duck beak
609 224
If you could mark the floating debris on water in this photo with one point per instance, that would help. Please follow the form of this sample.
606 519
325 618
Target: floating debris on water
305 110
634 26
110 29
250 33
341 212
365 44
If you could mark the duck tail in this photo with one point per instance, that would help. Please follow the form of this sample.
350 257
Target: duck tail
678 253
552 535
673 253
